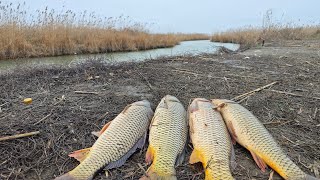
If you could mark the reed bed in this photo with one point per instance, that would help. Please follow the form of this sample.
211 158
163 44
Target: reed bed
254 36
271 30
52 33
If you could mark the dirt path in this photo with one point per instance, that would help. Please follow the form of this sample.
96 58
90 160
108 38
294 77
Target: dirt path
66 118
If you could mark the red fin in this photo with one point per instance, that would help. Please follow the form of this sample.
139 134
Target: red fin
102 130
232 133
81 154
261 164
149 155
194 158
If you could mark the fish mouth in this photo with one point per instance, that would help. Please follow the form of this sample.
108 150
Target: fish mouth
199 102
144 103
169 98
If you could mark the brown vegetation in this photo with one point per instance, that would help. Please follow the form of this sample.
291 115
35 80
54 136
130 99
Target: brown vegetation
252 36
51 33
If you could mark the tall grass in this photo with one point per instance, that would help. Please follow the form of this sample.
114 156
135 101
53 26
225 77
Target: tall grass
270 31
248 37
50 33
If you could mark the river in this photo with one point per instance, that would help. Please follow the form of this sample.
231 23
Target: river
184 48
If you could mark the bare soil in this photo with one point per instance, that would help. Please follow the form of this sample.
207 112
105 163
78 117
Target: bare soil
66 118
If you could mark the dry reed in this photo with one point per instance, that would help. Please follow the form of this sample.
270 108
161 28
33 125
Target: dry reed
270 31
51 33
253 36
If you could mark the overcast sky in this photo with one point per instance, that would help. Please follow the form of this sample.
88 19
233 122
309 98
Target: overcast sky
205 16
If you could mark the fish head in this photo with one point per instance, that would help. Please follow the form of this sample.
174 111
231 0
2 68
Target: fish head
168 99
144 103
199 103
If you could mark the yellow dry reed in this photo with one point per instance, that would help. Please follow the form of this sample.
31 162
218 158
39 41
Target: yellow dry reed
50 33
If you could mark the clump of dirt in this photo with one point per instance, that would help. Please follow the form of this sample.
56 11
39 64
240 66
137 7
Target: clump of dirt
289 109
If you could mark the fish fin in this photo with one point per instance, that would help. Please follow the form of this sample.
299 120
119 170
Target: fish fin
261 164
152 120
180 158
98 133
142 141
123 159
232 133
194 158
81 154
308 177
149 155
126 108
233 163
151 174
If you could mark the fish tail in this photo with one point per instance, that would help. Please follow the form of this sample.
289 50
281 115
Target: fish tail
153 175
66 176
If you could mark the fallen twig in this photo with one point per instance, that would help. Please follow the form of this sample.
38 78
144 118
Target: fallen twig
147 81
19 136
272 122
253 91
289 140
312 64
315 113
85 92
292 94
4 104
276 122
271 175
44 118
143 170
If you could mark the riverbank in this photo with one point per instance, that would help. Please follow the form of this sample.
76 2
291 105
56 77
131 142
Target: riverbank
46 32
65 117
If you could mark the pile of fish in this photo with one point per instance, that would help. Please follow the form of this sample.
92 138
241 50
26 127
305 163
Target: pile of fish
214 126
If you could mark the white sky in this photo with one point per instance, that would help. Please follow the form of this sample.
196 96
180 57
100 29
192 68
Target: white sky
206 16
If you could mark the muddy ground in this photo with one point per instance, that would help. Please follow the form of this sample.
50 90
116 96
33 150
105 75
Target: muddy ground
66 118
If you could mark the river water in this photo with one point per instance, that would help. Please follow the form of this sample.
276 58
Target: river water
184 48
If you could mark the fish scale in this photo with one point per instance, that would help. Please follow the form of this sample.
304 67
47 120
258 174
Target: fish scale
167 138
248 131
117 140
210 139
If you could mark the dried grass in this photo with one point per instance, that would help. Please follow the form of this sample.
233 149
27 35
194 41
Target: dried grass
255 36
51 33
270 31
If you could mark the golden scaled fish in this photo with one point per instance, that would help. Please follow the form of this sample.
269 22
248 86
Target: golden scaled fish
210 139
249 132
117 141
167 139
